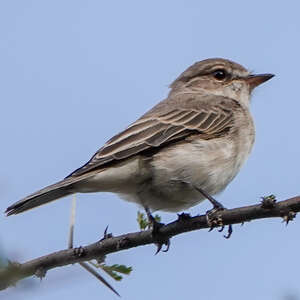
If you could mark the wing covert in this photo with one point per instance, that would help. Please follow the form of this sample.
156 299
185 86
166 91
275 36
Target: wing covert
156 128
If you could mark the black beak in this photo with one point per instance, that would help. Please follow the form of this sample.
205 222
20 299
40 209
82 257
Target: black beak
257 79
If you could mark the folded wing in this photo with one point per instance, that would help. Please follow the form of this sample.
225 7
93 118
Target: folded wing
160 127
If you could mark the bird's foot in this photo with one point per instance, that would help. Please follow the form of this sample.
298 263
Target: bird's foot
213 217
160 239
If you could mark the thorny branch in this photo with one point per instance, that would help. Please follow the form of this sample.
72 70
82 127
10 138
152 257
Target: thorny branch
268 208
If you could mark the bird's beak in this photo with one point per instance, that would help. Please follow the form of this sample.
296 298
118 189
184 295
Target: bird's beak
257 79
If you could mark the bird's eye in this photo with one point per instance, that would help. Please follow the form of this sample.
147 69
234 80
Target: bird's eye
220 74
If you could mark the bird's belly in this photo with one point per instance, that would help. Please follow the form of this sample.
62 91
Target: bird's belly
207 164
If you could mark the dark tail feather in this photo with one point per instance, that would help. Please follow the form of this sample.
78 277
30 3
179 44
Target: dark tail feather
43 196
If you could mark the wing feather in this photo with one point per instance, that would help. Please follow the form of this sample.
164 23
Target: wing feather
160 126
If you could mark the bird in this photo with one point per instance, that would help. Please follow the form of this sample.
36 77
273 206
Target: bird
187 147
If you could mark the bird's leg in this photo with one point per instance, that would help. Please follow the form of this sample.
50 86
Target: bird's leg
216 204
152 221
213 219
160 240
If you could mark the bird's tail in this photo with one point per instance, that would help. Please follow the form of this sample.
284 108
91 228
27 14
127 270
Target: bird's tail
45 195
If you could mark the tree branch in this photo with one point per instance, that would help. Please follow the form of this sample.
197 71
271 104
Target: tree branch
14 272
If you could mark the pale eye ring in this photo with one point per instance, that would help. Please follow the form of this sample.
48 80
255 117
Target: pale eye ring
220 74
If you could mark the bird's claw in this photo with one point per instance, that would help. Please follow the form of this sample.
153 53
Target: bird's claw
160 244
215 220
221 229
229 232
160 239
288 216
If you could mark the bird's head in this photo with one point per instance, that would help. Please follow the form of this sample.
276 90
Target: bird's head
221 77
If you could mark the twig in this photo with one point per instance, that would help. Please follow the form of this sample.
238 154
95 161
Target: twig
14 271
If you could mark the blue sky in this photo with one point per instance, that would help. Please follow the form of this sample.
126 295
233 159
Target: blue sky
74 73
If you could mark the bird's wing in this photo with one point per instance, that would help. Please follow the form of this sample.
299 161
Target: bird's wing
163 124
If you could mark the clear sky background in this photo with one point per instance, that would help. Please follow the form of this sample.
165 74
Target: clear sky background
74 73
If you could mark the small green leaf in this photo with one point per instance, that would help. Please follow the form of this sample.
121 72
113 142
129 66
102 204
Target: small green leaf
111 273
121 269
142 220
113 270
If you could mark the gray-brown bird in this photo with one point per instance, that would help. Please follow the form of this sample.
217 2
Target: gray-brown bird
195 140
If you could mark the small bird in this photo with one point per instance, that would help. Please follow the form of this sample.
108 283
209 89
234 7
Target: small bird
190 145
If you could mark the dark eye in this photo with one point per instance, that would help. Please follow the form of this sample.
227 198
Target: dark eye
220 74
